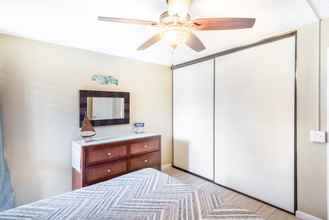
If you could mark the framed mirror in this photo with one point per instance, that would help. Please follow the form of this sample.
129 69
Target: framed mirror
105 108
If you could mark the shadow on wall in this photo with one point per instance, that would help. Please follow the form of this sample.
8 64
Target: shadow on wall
7 199
23 147
181 154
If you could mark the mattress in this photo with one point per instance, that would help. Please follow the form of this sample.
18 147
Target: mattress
141 195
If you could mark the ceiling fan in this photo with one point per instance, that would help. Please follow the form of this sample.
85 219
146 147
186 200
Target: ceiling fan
178 26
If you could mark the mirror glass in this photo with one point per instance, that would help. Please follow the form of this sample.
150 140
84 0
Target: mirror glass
105 108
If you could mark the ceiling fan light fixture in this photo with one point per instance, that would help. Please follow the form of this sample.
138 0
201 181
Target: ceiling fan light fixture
176 37
179 7
178 27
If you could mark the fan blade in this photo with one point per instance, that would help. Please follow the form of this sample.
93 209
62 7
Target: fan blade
128 21
155 39
223 23
195 43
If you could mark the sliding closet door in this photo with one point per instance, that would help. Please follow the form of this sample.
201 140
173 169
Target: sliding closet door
254 122
193 118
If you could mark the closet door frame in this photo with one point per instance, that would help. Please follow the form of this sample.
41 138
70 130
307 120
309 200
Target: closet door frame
231 51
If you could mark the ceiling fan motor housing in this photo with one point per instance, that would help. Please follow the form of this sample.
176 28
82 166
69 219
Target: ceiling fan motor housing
174 20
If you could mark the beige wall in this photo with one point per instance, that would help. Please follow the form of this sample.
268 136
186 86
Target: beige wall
41 108
312 172
325 109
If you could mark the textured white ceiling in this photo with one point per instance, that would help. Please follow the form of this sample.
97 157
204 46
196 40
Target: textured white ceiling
73 23
321 7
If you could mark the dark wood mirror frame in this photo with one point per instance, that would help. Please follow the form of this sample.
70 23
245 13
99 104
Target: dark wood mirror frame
84 94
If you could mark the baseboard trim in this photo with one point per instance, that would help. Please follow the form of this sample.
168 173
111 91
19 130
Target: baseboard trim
166 166
304 216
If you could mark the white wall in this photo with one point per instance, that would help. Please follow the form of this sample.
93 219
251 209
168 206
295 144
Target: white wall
41 108
312 159
325 103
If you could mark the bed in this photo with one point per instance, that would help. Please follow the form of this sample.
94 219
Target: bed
144 194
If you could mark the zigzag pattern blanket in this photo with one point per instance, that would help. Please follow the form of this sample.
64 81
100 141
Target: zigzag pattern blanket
141 195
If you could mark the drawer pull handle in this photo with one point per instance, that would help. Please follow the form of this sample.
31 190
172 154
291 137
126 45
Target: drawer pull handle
109 154
146 146
109 171
146 161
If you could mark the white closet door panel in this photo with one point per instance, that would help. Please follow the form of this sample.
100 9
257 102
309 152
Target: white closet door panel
193 118
254 122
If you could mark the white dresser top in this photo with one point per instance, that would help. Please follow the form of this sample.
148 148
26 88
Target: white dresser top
109 139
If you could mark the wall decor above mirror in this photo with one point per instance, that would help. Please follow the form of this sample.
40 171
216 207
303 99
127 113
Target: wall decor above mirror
105 80
105 108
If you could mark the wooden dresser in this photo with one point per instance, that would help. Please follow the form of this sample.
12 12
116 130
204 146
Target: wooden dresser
101 160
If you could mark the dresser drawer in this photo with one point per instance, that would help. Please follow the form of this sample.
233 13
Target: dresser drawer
146 160
105 153
103 172
145 146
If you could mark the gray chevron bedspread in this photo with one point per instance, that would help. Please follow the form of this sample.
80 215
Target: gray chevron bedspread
142 195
